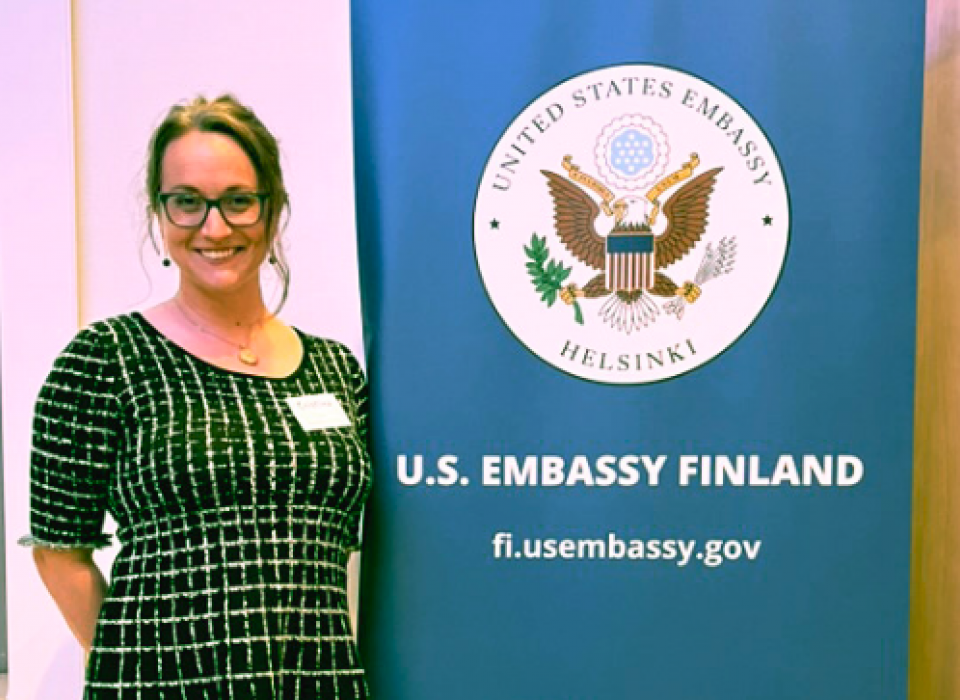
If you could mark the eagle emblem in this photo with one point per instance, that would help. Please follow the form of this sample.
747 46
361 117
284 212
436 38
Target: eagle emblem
632 257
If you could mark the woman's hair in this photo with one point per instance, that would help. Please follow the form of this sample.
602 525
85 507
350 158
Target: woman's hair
225 115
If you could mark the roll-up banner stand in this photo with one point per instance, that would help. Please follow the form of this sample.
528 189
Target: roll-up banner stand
639 282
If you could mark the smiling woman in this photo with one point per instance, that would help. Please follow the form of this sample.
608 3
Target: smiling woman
236 512
218 149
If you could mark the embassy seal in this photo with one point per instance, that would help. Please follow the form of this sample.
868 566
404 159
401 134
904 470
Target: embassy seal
631 224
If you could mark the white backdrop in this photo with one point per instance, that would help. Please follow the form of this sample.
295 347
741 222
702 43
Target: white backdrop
83 85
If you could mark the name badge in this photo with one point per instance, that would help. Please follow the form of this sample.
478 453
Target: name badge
318 412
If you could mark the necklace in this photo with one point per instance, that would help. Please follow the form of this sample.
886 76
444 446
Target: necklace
245 352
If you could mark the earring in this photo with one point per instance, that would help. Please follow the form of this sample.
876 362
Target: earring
165 262
272 260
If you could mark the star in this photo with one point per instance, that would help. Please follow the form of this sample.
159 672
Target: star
768 221
494 224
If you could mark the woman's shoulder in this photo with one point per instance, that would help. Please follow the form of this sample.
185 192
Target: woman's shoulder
91 361
328 350
107 332
102 343
323 343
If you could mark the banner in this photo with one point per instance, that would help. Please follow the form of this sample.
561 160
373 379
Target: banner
639 286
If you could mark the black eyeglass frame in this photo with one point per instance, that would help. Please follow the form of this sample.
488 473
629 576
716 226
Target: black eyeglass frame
262 198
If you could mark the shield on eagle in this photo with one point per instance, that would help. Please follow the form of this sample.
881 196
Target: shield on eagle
631 261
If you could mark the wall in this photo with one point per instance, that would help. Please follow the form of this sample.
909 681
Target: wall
39 302
935 583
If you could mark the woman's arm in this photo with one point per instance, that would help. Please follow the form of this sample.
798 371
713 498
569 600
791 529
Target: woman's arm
76 585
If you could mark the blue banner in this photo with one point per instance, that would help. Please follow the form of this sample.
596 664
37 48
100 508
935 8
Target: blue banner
639 284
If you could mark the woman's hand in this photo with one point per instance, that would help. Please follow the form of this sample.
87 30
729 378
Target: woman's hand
76 585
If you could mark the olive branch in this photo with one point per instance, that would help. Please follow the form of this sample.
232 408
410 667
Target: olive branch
548 280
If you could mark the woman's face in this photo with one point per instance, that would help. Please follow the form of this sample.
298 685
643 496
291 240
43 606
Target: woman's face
215 258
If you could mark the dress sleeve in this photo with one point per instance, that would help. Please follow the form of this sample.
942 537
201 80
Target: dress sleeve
75 434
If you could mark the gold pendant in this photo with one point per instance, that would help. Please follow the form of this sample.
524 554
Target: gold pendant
248 356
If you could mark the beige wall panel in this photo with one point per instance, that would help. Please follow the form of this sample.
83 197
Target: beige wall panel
38 291
935 586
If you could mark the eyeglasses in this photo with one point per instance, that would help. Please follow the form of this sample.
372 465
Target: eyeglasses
190 210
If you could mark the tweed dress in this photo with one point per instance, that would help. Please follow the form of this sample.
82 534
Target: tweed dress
235 523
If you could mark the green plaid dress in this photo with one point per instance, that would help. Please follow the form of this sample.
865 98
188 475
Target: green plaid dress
234 522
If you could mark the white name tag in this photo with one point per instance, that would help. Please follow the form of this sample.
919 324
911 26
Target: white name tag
318 411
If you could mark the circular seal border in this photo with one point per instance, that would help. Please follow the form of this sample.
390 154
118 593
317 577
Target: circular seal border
749 326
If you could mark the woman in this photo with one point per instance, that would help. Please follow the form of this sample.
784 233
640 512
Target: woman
229 448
